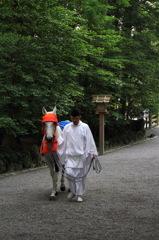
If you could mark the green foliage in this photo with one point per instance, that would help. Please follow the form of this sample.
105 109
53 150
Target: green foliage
138 88
35 156
19 157
41 55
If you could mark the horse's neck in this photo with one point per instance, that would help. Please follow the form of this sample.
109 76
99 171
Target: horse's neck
58 132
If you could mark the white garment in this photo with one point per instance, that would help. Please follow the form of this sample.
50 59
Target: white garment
58 132
75 148
77 183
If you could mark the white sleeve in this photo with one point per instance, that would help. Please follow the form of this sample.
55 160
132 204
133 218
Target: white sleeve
90 143
61 150
58 132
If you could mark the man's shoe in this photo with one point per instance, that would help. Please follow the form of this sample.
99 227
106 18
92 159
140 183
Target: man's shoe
79 199
71 195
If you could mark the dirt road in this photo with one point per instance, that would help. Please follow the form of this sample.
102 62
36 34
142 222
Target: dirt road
121 203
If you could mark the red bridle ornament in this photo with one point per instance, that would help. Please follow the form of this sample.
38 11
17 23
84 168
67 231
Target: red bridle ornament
49 117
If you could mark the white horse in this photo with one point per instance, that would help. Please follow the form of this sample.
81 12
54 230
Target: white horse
48 148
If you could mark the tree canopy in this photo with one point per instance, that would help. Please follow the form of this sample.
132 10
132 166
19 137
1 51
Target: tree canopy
60 52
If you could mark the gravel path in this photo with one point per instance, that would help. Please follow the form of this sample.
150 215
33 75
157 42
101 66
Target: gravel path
121 203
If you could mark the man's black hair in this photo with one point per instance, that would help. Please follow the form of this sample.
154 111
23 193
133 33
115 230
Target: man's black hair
75 111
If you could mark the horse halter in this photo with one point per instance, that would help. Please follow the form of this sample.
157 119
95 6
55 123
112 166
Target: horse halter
49 117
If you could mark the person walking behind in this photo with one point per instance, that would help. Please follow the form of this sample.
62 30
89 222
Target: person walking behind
76 148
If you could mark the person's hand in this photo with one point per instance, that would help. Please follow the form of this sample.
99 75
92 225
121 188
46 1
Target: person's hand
94 156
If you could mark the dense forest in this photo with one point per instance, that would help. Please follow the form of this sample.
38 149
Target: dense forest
60 52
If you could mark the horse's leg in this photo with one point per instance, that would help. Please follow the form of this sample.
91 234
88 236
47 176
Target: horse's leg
54 189
54 176
62 188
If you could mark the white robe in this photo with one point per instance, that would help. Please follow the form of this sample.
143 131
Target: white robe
76 147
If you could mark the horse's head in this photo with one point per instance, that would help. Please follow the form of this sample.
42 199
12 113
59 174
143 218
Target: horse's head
49 121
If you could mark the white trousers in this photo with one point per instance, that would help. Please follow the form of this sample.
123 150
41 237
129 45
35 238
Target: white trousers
76 180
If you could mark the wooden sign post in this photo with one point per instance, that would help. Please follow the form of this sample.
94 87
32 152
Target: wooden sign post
101 104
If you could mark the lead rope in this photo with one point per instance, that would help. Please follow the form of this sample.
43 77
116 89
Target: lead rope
94 162
96 165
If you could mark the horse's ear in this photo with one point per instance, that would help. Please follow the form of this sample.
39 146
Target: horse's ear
54 110
44 111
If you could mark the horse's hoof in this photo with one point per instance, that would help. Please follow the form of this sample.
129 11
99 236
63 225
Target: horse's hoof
52 198
62 189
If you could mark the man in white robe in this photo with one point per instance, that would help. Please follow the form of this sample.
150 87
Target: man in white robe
76 148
